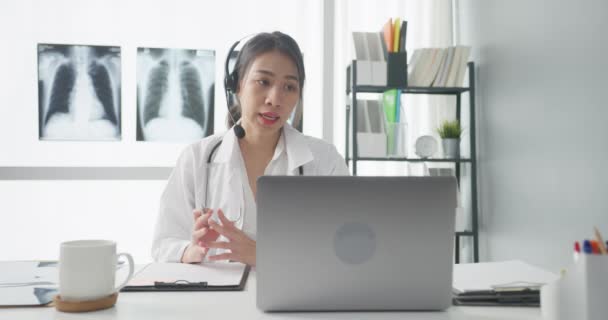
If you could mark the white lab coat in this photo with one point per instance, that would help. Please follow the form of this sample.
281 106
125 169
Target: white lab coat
228 185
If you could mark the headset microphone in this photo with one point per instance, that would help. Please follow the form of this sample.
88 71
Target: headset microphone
239 132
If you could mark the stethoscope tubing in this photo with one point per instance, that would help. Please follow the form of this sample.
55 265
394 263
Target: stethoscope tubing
213 150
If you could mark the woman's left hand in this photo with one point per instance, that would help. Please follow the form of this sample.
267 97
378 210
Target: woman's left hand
241 247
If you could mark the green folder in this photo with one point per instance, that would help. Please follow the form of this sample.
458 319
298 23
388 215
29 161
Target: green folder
389 104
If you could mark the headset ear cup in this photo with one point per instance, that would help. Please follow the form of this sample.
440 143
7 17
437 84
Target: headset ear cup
226 84
233 81
229 83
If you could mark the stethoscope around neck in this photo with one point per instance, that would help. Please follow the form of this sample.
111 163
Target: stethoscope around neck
209 159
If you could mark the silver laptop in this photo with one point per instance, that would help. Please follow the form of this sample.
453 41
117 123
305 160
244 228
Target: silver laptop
355 243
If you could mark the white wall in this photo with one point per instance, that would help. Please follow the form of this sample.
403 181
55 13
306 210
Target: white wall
191 24
35 216
542 112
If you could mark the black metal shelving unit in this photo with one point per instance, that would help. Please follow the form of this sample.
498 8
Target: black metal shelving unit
352 89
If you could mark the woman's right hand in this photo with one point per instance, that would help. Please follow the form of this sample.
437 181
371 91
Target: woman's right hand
195 252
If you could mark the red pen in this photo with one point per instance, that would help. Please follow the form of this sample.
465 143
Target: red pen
577 250
595 248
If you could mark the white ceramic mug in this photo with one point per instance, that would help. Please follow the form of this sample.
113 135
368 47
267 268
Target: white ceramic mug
87 269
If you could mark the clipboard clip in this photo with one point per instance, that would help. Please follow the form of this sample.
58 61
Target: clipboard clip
179 284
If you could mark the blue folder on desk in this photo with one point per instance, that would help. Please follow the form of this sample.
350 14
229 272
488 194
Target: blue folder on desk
189 277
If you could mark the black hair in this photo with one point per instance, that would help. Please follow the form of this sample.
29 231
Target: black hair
262 43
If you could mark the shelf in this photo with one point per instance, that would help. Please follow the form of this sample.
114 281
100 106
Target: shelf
465 233
414 90
469 160
409 159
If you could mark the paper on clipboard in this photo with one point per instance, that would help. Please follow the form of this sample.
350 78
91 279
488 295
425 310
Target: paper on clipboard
215 274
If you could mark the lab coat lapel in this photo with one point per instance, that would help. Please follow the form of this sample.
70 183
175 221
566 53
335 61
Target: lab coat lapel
298 151
226 150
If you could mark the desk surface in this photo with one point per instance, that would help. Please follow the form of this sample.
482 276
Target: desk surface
241 305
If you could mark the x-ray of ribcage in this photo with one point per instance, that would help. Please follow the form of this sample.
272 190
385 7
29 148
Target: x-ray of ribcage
78 92
175 89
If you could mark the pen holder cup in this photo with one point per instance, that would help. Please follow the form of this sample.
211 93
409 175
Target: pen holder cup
396 143
580 293
396 65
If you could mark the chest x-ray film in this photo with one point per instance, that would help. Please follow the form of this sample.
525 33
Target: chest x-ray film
175 90
79 92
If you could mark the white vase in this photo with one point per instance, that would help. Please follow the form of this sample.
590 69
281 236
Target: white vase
451 148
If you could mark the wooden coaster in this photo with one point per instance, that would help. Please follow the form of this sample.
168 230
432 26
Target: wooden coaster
84 306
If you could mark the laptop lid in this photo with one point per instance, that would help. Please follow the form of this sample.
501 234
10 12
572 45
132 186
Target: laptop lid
355 243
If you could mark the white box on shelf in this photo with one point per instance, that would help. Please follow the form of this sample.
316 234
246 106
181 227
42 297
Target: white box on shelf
371 73
365 75
379 73
371 144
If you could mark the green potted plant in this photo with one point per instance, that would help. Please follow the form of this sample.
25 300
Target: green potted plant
450 132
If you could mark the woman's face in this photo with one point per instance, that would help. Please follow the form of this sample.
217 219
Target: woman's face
268 92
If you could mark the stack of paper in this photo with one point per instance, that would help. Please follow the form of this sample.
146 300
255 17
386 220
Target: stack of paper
499 283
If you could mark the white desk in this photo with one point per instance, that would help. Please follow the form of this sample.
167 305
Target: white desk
241 305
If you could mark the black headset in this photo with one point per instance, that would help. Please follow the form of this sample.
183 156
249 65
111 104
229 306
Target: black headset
231 80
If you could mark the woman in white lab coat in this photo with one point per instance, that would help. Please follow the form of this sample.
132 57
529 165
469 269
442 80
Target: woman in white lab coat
208 210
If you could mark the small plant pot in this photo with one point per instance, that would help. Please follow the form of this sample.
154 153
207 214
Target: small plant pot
451 148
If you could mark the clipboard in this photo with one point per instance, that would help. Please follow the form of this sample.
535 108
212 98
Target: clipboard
27 283
182 284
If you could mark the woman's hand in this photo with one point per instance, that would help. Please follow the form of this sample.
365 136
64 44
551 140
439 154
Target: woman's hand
195 252
242 248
